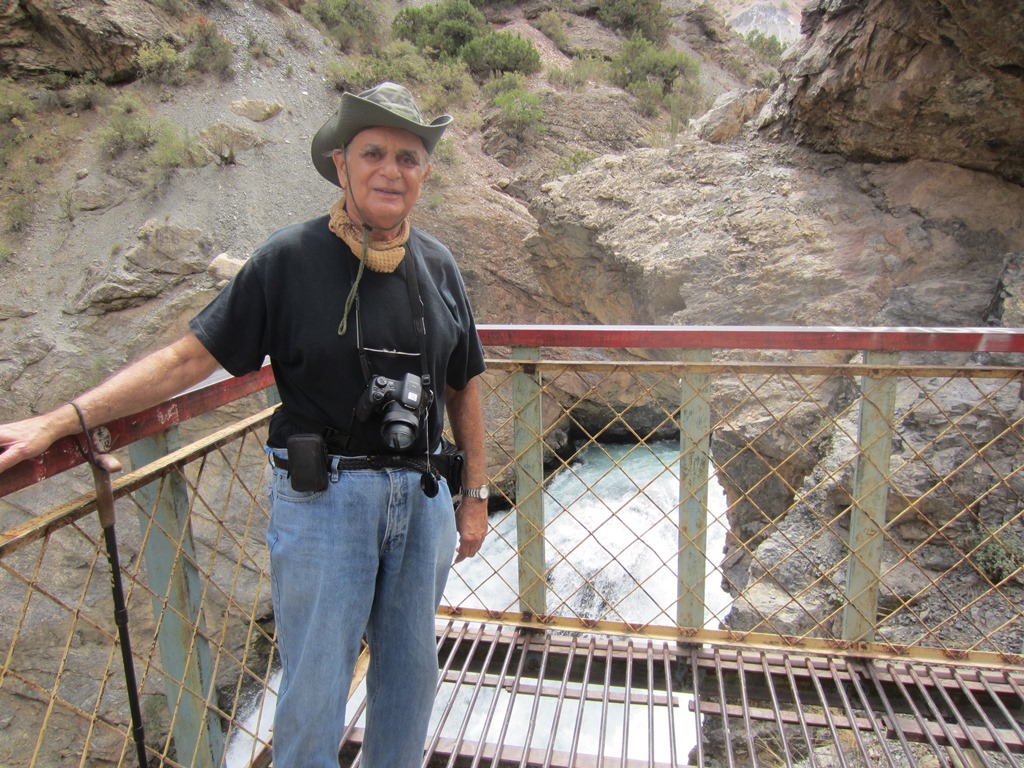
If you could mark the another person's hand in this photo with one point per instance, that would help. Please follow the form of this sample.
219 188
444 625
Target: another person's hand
471 523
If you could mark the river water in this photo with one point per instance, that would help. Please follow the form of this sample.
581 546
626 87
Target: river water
623 572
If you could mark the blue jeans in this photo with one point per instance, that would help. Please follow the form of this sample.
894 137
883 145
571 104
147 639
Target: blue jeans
369 554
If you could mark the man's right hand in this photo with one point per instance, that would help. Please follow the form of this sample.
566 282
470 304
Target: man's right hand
26 439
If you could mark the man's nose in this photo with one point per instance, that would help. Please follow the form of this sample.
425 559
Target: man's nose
390 167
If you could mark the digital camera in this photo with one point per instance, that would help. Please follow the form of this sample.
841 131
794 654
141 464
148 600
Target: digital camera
401 404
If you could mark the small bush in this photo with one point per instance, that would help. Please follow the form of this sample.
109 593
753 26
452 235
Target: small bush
575 161
160 63
14 102
500 52
294 35
767 47
449 85
398 62
127 128
440 29
509 81
640 61
437 85
553 26
344 76
351 24
87 93
170 151
1000 556
581 71
176 7
645 17
211 52
520 114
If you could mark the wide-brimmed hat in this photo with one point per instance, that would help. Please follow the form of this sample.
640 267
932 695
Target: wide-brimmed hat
387 105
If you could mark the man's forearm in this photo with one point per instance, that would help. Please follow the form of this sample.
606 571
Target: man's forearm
152 380
141 385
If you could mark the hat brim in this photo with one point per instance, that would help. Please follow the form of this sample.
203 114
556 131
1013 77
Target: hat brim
356 114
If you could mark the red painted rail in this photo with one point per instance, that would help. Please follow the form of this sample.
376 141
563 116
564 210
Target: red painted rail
757 337
65 454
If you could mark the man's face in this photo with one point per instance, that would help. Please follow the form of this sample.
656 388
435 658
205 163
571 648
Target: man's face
382 172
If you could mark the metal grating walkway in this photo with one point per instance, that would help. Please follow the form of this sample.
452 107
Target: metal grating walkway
512 696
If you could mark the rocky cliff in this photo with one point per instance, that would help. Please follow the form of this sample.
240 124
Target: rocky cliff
889 81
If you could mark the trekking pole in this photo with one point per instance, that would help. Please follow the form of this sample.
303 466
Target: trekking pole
102 465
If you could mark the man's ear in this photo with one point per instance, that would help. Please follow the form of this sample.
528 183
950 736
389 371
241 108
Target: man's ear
338 156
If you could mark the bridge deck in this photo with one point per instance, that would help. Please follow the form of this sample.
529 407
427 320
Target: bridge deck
511 696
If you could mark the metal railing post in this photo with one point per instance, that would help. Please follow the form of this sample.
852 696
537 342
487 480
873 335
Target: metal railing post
694 465
177 599
870 494
528 429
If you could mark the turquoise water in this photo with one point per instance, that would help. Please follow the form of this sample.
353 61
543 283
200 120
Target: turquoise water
611 531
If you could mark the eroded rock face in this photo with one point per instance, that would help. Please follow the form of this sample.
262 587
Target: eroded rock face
929 79
100 37
704 234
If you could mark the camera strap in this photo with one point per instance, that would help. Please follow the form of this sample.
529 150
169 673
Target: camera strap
418 322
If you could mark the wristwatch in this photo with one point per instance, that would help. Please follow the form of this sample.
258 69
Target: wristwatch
482 492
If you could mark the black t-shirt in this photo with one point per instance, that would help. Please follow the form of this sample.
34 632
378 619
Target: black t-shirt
287 302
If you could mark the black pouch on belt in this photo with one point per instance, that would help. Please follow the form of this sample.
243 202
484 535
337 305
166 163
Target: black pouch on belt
307 462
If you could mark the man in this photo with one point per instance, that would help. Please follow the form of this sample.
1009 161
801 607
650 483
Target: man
371 338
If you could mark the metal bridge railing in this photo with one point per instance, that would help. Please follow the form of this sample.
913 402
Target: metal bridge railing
872 507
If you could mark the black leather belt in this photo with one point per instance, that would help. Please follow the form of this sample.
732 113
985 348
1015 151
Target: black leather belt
353 463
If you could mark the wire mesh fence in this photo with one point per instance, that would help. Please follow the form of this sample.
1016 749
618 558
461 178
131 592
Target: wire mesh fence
873 508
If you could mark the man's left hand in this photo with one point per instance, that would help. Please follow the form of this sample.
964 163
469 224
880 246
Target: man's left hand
471 523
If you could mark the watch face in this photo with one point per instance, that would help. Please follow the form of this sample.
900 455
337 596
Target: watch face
477 493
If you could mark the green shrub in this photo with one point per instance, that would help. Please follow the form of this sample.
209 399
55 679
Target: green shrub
449 85
14 102
509 81
580 72
767 47
500 52
399 62
211 52
176 7
575 161
999 556
650 97
87 93
520 114
127 128
640 61
646 17
351 24
170 151
257 46
438 85
440 29
160 63
553 26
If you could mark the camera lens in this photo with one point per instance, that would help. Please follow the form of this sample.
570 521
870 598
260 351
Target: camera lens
399 427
